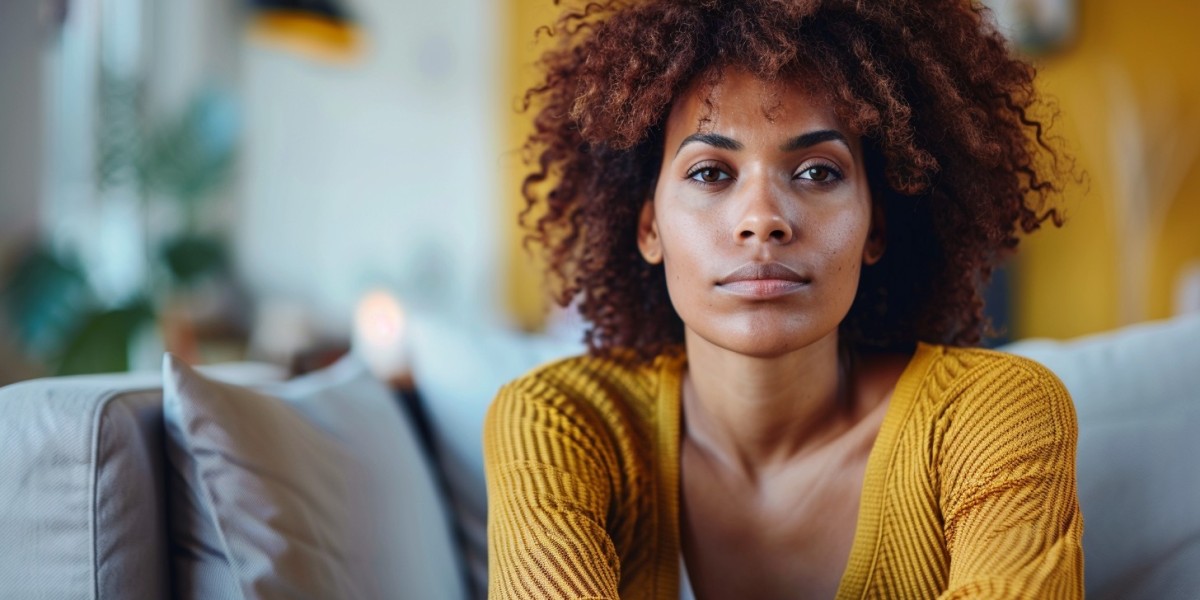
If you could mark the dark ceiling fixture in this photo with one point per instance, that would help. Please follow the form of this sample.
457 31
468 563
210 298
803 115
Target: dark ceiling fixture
321 29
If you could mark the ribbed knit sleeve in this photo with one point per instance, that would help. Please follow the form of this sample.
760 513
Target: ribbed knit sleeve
549 469
1006 468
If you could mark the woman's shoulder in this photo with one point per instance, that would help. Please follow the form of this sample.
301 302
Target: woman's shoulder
988 362
614 387
587 375
992 385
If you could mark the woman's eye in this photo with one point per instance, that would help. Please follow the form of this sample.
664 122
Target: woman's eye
819 173
709 175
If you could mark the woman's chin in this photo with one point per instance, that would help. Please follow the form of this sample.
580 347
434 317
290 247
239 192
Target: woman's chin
764 342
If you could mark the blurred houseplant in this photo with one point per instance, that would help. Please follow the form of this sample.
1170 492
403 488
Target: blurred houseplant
174 167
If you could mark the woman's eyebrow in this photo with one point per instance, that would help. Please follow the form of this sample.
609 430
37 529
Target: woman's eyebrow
804 140
813 138
712 139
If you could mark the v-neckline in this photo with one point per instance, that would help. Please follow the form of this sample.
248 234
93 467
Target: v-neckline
870 511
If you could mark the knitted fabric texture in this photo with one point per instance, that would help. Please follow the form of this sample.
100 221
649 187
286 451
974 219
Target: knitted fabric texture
969 489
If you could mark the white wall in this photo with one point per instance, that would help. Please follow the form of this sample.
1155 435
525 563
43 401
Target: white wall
381 172
21 146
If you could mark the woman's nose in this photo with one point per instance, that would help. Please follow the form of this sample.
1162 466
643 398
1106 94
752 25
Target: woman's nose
762 217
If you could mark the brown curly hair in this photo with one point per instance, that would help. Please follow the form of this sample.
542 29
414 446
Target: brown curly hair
952 147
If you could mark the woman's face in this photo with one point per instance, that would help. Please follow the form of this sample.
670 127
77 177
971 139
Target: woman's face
762 216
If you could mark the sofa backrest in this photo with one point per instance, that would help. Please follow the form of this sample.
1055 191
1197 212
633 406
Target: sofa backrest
82 491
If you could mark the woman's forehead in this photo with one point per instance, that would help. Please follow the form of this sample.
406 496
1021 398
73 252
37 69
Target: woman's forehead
736 99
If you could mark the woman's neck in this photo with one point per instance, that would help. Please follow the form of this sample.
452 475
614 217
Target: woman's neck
754 415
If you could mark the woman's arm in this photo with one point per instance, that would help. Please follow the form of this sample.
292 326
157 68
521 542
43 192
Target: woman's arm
1008 495
549 484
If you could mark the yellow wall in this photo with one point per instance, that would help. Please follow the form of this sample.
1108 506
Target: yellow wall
526 297
1066 279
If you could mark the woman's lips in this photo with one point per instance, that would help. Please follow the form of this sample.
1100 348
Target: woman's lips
763 288
763 280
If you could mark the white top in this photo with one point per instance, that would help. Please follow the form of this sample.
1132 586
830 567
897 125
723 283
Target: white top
685 584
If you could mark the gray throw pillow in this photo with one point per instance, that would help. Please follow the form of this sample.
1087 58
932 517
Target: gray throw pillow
313 488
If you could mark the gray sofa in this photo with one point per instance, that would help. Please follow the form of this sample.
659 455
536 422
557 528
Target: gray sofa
86 502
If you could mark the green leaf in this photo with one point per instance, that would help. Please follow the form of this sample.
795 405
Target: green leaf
102 344
192 257
45 299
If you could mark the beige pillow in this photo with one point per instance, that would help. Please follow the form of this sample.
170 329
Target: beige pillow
315 488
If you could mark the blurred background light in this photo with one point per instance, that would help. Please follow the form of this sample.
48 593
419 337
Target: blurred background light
380 335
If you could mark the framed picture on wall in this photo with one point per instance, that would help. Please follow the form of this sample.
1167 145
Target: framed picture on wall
1036 27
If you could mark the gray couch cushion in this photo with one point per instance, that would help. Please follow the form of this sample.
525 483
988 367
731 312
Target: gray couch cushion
1137 397
82 508
315 488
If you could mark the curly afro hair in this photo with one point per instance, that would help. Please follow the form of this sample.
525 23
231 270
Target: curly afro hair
952 147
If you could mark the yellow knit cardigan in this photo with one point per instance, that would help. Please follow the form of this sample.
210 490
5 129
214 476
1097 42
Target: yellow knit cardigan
969 489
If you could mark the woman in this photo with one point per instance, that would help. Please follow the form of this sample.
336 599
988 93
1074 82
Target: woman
777 217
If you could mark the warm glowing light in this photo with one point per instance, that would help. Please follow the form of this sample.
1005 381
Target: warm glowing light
379 335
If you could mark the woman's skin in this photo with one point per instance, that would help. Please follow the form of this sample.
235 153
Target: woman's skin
763 219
